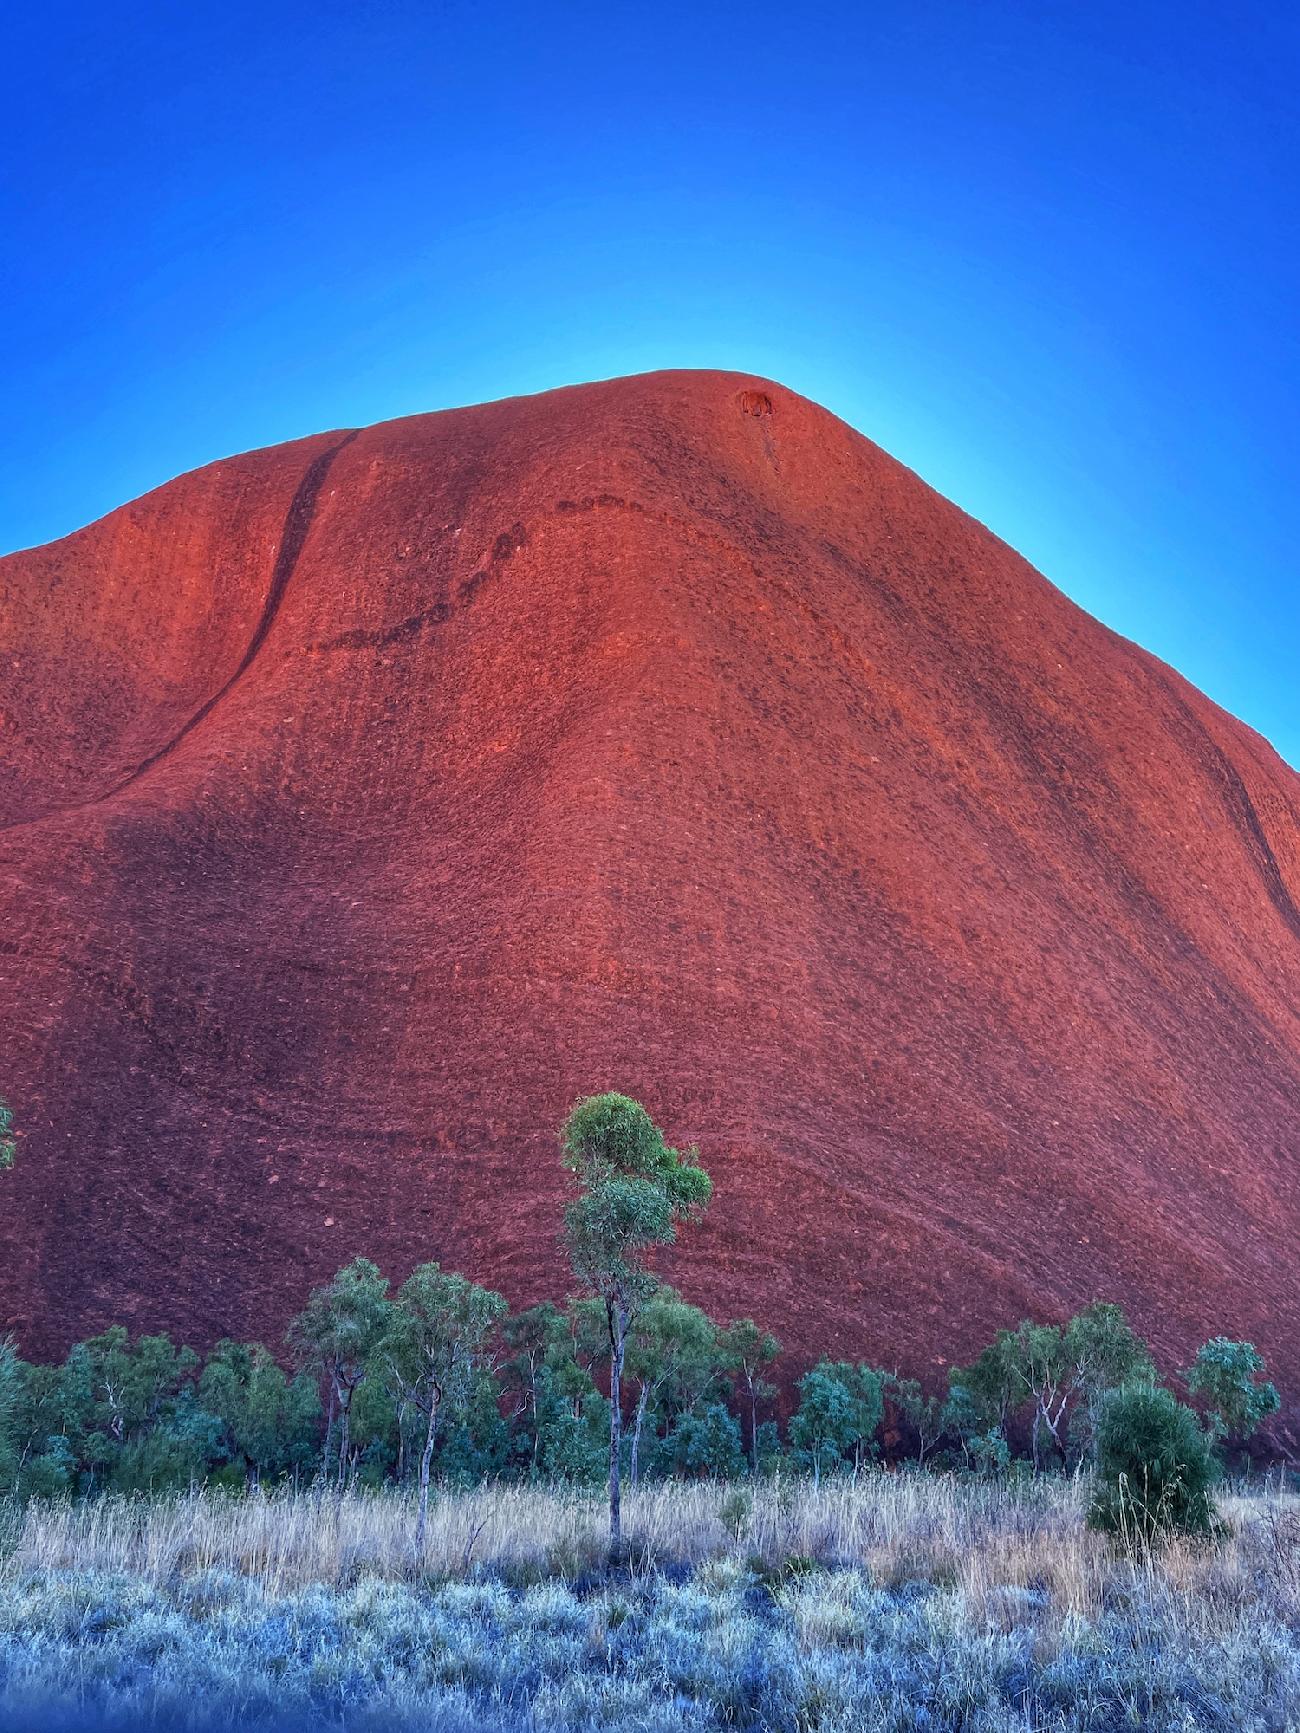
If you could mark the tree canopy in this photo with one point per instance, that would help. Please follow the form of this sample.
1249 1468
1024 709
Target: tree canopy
633 1191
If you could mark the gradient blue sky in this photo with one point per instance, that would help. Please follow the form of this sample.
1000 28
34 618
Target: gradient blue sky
1045 253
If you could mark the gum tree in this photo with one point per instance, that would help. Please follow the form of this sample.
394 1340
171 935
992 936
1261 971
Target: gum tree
748 1353
268 1421
8 1143
672 1349
633 1193
1103 1353
438 1330
840 1408
1228 1377
336 1334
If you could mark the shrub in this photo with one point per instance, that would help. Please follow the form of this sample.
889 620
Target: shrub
706 1442
1155 1468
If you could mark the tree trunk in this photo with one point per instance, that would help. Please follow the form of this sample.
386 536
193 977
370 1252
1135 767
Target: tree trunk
617 1319
426 1457
329 1431
753 1428
641 1402
345 1435
401 1442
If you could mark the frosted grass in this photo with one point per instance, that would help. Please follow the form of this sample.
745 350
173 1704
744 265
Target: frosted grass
899 1602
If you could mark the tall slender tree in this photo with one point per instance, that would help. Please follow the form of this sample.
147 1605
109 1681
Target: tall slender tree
336 1335
748 1353
633 1192
438 1330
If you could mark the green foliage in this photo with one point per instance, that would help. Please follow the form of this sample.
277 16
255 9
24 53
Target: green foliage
1103 1353
634 1191
988 1452
268 1422
1155 1468
748 1353
118 1414
1057 1376
122 1403
1228 1377
8 1144
672 1359
172 1453
575 1441
705 1442
336 1335
436 1333
561 1421
474 1442
11 1401
840 1408
433 1346
341 1324
672 1349
922 1413
969 1418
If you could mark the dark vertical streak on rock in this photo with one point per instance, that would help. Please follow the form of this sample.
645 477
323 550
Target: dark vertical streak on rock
297 523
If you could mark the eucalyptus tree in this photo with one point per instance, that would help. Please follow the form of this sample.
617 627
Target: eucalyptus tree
840 1408
1026 1365
1103 1352
748 1353
633 1193
1228 1377
436 1341
531 1340
268 1420
672 1351
924 1412
336 1335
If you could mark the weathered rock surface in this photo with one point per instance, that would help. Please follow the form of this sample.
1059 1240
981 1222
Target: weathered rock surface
367 799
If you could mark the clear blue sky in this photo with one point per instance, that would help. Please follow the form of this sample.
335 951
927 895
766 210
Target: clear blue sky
1046 253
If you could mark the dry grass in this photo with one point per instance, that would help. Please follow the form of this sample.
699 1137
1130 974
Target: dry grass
982 1538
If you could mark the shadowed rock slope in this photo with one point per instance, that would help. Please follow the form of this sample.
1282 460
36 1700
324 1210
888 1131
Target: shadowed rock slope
368 798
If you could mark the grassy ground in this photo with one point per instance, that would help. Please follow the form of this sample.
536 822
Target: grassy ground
898 1602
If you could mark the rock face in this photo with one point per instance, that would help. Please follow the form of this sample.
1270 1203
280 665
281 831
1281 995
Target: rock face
369 798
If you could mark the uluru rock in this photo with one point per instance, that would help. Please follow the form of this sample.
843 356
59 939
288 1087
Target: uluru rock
367 799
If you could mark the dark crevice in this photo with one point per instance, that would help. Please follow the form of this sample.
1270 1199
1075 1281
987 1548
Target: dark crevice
506 546
297 524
